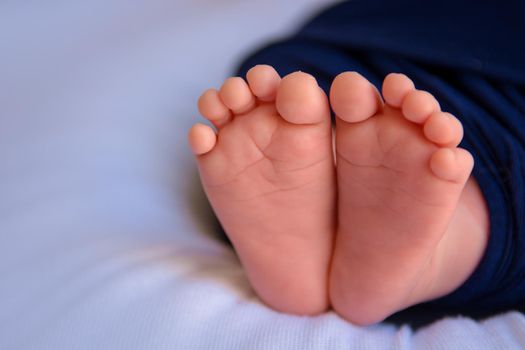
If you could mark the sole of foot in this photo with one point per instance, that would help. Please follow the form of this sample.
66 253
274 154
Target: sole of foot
400 175
268 171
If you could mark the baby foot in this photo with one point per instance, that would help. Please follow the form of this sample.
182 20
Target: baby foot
269 175
400 175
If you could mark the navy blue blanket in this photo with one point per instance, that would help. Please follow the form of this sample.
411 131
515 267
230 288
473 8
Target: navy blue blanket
471 56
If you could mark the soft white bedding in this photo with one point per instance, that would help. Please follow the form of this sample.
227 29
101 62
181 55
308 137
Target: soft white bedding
106 240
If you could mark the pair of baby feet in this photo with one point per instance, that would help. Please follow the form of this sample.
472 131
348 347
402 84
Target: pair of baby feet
358 229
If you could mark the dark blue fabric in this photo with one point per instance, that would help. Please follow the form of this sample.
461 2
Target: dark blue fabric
471 56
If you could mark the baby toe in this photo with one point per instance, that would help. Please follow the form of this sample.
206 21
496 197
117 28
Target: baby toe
212 108
443 129
395 87
236 95
201 138
452 164
418 105
353 98
263 81
300 100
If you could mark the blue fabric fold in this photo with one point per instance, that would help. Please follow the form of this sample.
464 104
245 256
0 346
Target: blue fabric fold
471 56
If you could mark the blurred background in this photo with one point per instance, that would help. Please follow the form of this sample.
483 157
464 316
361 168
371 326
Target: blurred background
99 195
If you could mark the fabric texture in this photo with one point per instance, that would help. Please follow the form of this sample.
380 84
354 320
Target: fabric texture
468 54
106 239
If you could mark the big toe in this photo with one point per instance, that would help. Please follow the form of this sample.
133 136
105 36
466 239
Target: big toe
300 100
353 98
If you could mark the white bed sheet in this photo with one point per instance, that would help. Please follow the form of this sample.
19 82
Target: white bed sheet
106 240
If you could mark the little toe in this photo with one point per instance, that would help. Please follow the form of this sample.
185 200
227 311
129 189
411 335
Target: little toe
212 108
452 164
201 138
236 95
443 129
353 98
395 87
418 105
263 81
300 100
